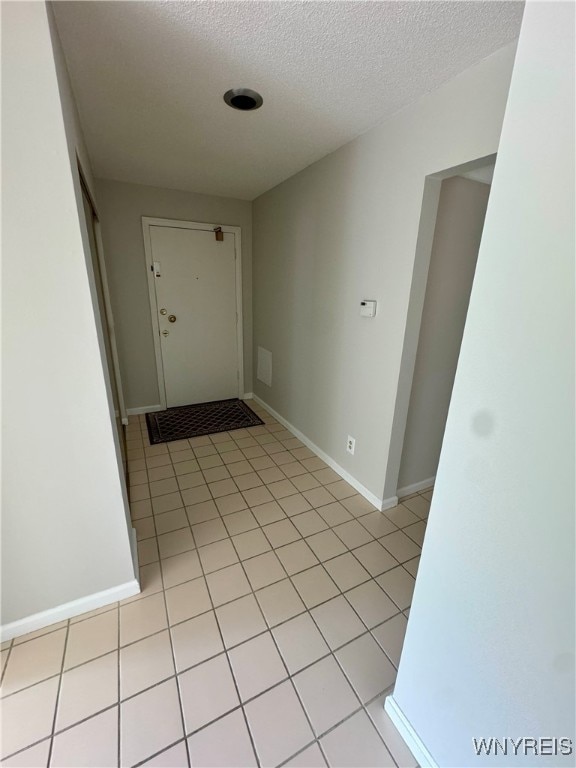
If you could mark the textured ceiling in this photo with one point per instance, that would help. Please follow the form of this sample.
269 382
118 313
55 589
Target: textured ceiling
149 79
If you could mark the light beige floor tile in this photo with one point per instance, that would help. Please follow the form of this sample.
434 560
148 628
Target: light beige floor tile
187 600
197 495
390 636
300 642
239 522
282 458
394 742
341 489
233 457
290 467
238 468
400 546
139 509
178 445
356 744
296 557
271 475
377 524
145 529
358 506
367 667
148 551
279 602
27 716
346 571
249 480
145 663
167 503
309 523
375 558
171 521
294 505
255 496
185 457
427 495
334 514
282 488
280 533
399 585
92 637
181 568
208 532
207 692
326 694
196 640
175 542
3 660
419 505
226 446
137 478
34 661
327 476
95 612
232 503
326 545
34 756
240 620
306 482
317 497
416 532
264 570
222 488
302 454
263 462
160 473
210 461
338 622
352 534
87 689
143 732
371 603
142 618
139 492
250 544
268 513
311 757
224 744
412 566
162 487
215 474
163 460
401 516
191 480
201 513
257 666
315 586
313 464
174 757
278 724
217 555
93 743
203 452
227 584
186 467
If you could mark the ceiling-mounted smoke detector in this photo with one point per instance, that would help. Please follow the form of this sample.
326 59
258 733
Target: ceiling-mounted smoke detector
244 99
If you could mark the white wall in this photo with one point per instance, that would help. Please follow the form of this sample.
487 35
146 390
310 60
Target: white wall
490 644
121 208
64 532
461 211
346 229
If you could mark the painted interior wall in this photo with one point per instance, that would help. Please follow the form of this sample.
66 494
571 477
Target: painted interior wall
461 211
490 644
122 206
63 504
346 229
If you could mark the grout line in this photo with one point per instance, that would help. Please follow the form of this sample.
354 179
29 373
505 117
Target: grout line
58 694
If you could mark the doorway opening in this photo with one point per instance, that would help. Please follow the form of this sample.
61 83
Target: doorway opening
453 212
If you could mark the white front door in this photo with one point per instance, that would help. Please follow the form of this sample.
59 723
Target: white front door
195 285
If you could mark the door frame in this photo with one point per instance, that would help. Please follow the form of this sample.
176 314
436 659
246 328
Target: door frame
149 221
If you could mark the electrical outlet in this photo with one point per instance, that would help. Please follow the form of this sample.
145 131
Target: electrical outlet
351 445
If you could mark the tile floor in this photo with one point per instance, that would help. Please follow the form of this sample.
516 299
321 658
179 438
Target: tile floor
272 614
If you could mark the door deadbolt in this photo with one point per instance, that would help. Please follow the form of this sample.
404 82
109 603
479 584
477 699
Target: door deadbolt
163 311
171 318
165 333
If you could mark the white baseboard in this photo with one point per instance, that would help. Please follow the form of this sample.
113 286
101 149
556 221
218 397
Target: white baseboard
248 396
68 610
415 487
143 409
379 503
411 738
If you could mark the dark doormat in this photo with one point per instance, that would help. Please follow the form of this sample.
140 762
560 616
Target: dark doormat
187 421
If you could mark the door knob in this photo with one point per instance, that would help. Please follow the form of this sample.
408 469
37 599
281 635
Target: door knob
165 333
171 318
163 311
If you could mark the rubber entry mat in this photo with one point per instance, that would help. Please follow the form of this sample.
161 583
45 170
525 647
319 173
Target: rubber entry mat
187 421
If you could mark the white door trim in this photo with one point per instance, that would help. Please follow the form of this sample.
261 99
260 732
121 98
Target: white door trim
147 222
